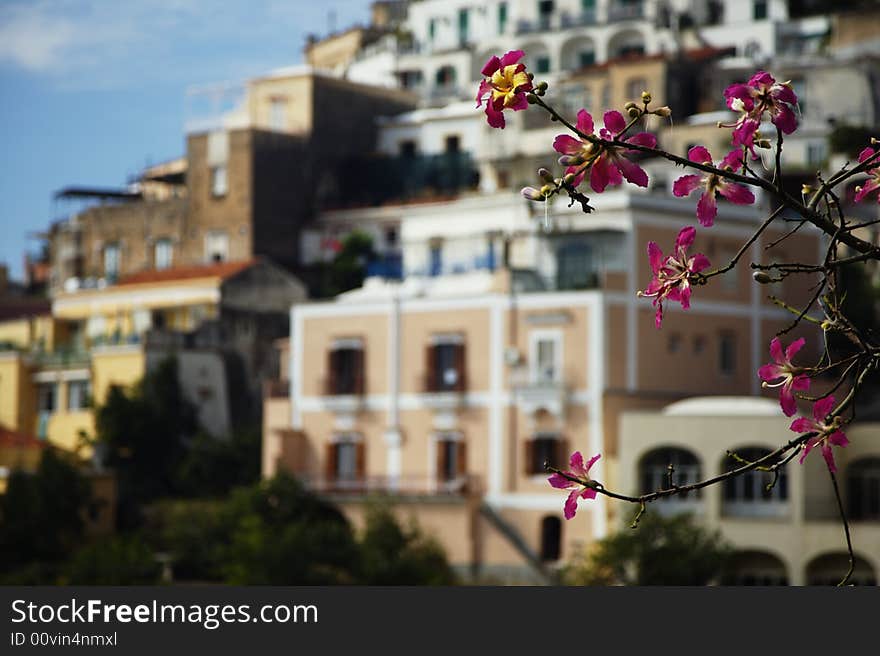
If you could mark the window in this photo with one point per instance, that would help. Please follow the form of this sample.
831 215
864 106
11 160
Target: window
542 64
551 534
445 76
162 253
545 12
411 79
391 237
727 354
747 494
863 489
407 149
654 471
278 113
435 259
759 9
345 460
216 246
575 267
673 343
446 364
450 457
634 89
47 396
815 153
453 143
542 450
462 26
699 344
502 17
345 367
219 185
111 262
78 394
546 357
586 58
432 28
606 95
728 280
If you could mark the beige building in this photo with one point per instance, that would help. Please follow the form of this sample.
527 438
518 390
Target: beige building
450 392
790 534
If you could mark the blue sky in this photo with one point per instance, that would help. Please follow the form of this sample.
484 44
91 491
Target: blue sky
92 90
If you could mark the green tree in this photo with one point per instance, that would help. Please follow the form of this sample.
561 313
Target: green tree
120 560
659 551
141 436
349 267
42 518
395 555
212 466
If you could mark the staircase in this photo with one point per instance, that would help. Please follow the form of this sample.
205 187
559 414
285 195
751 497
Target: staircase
516 540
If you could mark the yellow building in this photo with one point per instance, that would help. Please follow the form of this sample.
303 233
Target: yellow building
56 367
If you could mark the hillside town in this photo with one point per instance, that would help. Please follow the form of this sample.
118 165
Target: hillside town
341 261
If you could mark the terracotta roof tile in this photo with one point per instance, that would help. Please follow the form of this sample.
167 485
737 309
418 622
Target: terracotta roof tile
221 270
11 439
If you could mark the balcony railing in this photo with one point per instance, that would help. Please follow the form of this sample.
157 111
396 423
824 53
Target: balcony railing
403 486
567 20
276 389
62 358
625 11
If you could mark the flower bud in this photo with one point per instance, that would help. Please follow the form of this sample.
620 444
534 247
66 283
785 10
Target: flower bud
663 112
547 190
763 143
545 175
806 189
568 179
628 106
570 160
762 277
646 97
541 88
633 112
531 98
530 193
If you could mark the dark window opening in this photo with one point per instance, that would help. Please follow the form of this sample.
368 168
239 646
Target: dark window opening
551 538
346 369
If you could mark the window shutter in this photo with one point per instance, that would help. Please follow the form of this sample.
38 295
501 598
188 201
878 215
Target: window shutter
360 374
360 462
529 456
560 453
330 472
430 368
462 458
460 368
331 371
442 460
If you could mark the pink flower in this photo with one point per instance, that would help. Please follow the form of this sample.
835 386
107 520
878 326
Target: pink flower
827 434
607 164
707 209
874 182
582 490
505 88
672 274
762 93
788 377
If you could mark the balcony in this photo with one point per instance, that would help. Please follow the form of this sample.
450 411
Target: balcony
533 394
276 389
386 266
405 486
377 180
62 359
586 18
625 11
344 395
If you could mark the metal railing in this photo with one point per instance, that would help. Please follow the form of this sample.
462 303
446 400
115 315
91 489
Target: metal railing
403 485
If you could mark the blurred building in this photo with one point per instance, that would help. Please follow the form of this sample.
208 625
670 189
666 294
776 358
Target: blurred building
218 320
449 390
789 534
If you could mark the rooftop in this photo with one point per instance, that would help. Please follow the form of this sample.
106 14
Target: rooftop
11 439
724 406
222 270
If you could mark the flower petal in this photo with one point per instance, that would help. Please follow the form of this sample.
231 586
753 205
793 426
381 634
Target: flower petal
567 145
634 173
592 461
829 457
645 139
707 209
600 174
686 184
794 347
769 372
571 504
588 493
492 65
614 121
776 350
822 408
736 193
838 438
802 425
576 464
494 117
700 155
785 94
511 57
584 122
800 383
698 263
733 161
655 256
561 482
785 119
787 401
685 238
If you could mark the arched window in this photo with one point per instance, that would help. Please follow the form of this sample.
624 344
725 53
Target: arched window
654 474
863 489
750 494
829 569
755 568
551 537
